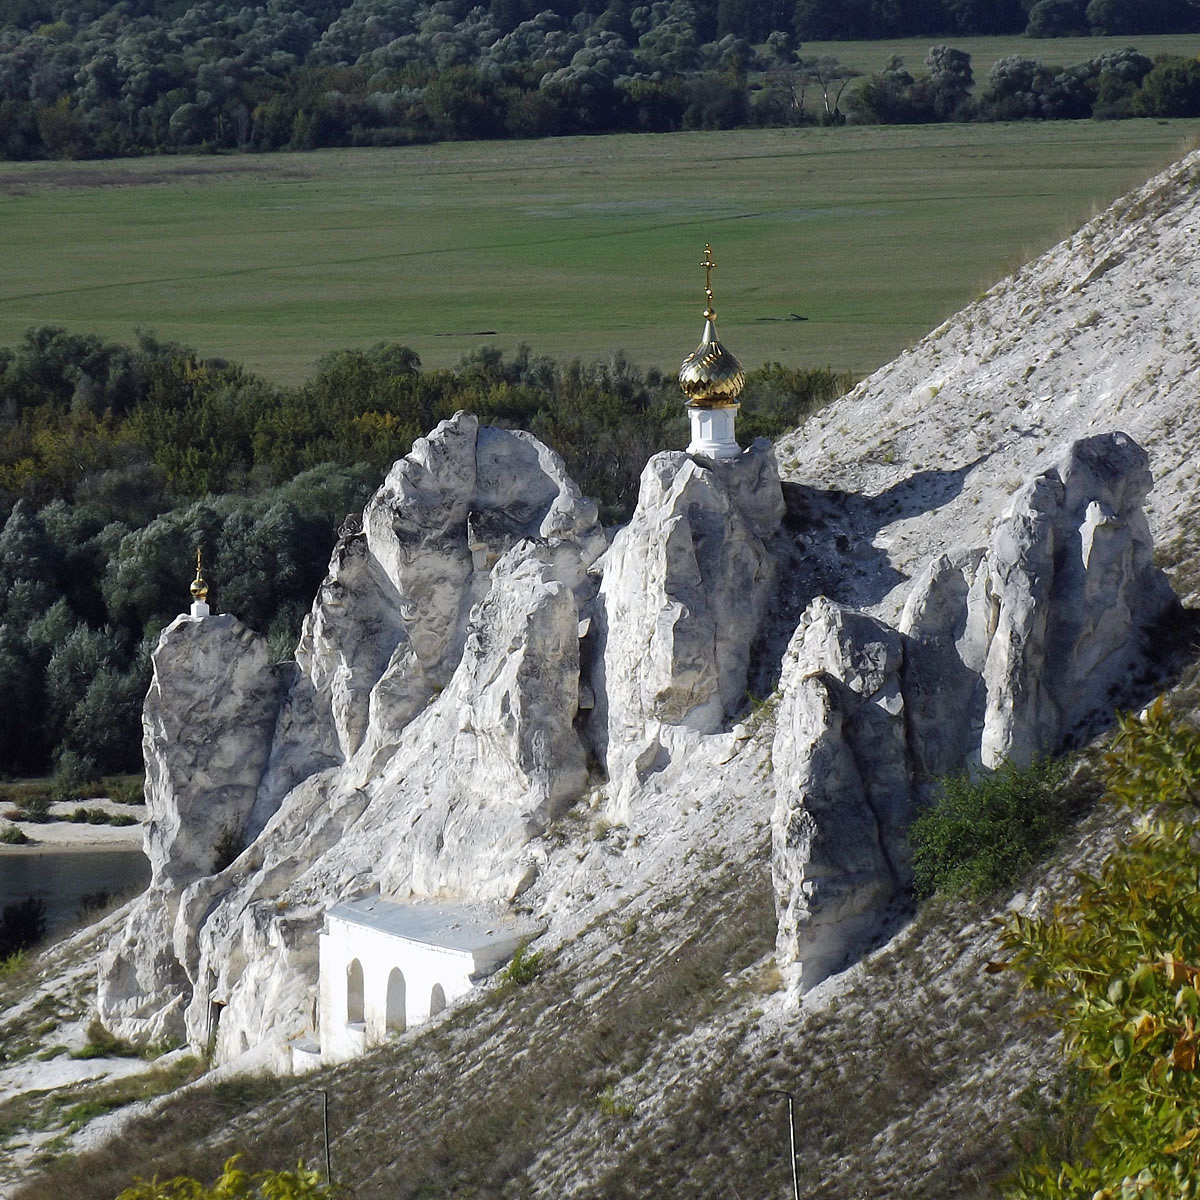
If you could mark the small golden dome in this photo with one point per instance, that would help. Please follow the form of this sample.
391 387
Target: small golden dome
199 588
710 376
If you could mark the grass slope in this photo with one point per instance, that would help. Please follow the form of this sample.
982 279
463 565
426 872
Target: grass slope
575 245
640 1063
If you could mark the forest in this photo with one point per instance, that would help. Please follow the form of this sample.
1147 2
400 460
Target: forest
117 462
90 79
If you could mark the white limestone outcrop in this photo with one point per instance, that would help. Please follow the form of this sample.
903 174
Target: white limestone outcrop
680 603
387 629
842 789
428 735
1003 653
208 721
1038 636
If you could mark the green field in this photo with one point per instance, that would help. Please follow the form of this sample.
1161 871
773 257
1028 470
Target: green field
871 57
577 246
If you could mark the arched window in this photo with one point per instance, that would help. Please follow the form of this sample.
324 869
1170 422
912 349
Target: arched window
394 1020
354 993
437 999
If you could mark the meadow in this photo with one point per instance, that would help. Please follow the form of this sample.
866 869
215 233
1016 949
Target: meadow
834 246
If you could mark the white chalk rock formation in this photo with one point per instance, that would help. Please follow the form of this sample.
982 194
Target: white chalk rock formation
1003 653
680 604
427 736
388 626
842 789
208 721
1035 639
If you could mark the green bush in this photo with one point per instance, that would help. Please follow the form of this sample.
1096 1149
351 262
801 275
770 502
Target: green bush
12 835
300 1184
125 789
11 964
523 968
22 925
980 834
35 806
1117 962
73 778
102 1044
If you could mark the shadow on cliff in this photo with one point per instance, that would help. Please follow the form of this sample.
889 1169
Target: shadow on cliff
824 548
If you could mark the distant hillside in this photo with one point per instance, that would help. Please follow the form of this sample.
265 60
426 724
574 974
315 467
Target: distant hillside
96 81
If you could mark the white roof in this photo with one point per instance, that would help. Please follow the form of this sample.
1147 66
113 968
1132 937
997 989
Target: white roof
449 927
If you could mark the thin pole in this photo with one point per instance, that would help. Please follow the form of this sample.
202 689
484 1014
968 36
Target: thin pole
791 1136
325 1122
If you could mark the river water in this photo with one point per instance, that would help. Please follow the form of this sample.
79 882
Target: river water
61 878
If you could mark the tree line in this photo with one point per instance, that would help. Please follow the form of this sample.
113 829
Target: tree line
94 80
1115 84
117 461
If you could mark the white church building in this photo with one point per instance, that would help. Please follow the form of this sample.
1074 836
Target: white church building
385 966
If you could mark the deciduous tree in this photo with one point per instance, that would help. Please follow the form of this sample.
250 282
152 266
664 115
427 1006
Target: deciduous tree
1120 964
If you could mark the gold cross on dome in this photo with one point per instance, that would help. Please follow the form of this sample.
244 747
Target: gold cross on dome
709 267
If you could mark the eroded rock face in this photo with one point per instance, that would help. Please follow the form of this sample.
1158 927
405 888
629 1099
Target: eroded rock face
387 629
1019 648
1036 638
208 721
680 604
842 788
141 988
498 754
428 733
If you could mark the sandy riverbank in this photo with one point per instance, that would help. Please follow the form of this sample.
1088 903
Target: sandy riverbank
61 833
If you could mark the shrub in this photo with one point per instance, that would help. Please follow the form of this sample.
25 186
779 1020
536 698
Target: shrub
24 796
125 789
523 968
300 1184
73 775
980 834
610 1104
1118 964
21 926
11 964
35 806
12 835
102 1044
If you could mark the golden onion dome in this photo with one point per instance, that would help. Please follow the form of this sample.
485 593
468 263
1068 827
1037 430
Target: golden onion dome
711 377
199 588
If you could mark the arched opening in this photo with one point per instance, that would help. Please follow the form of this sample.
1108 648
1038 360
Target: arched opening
354 993
394 1014
437 1000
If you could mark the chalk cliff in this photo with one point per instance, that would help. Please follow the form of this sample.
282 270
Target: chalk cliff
441 711
480 661
1020 648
